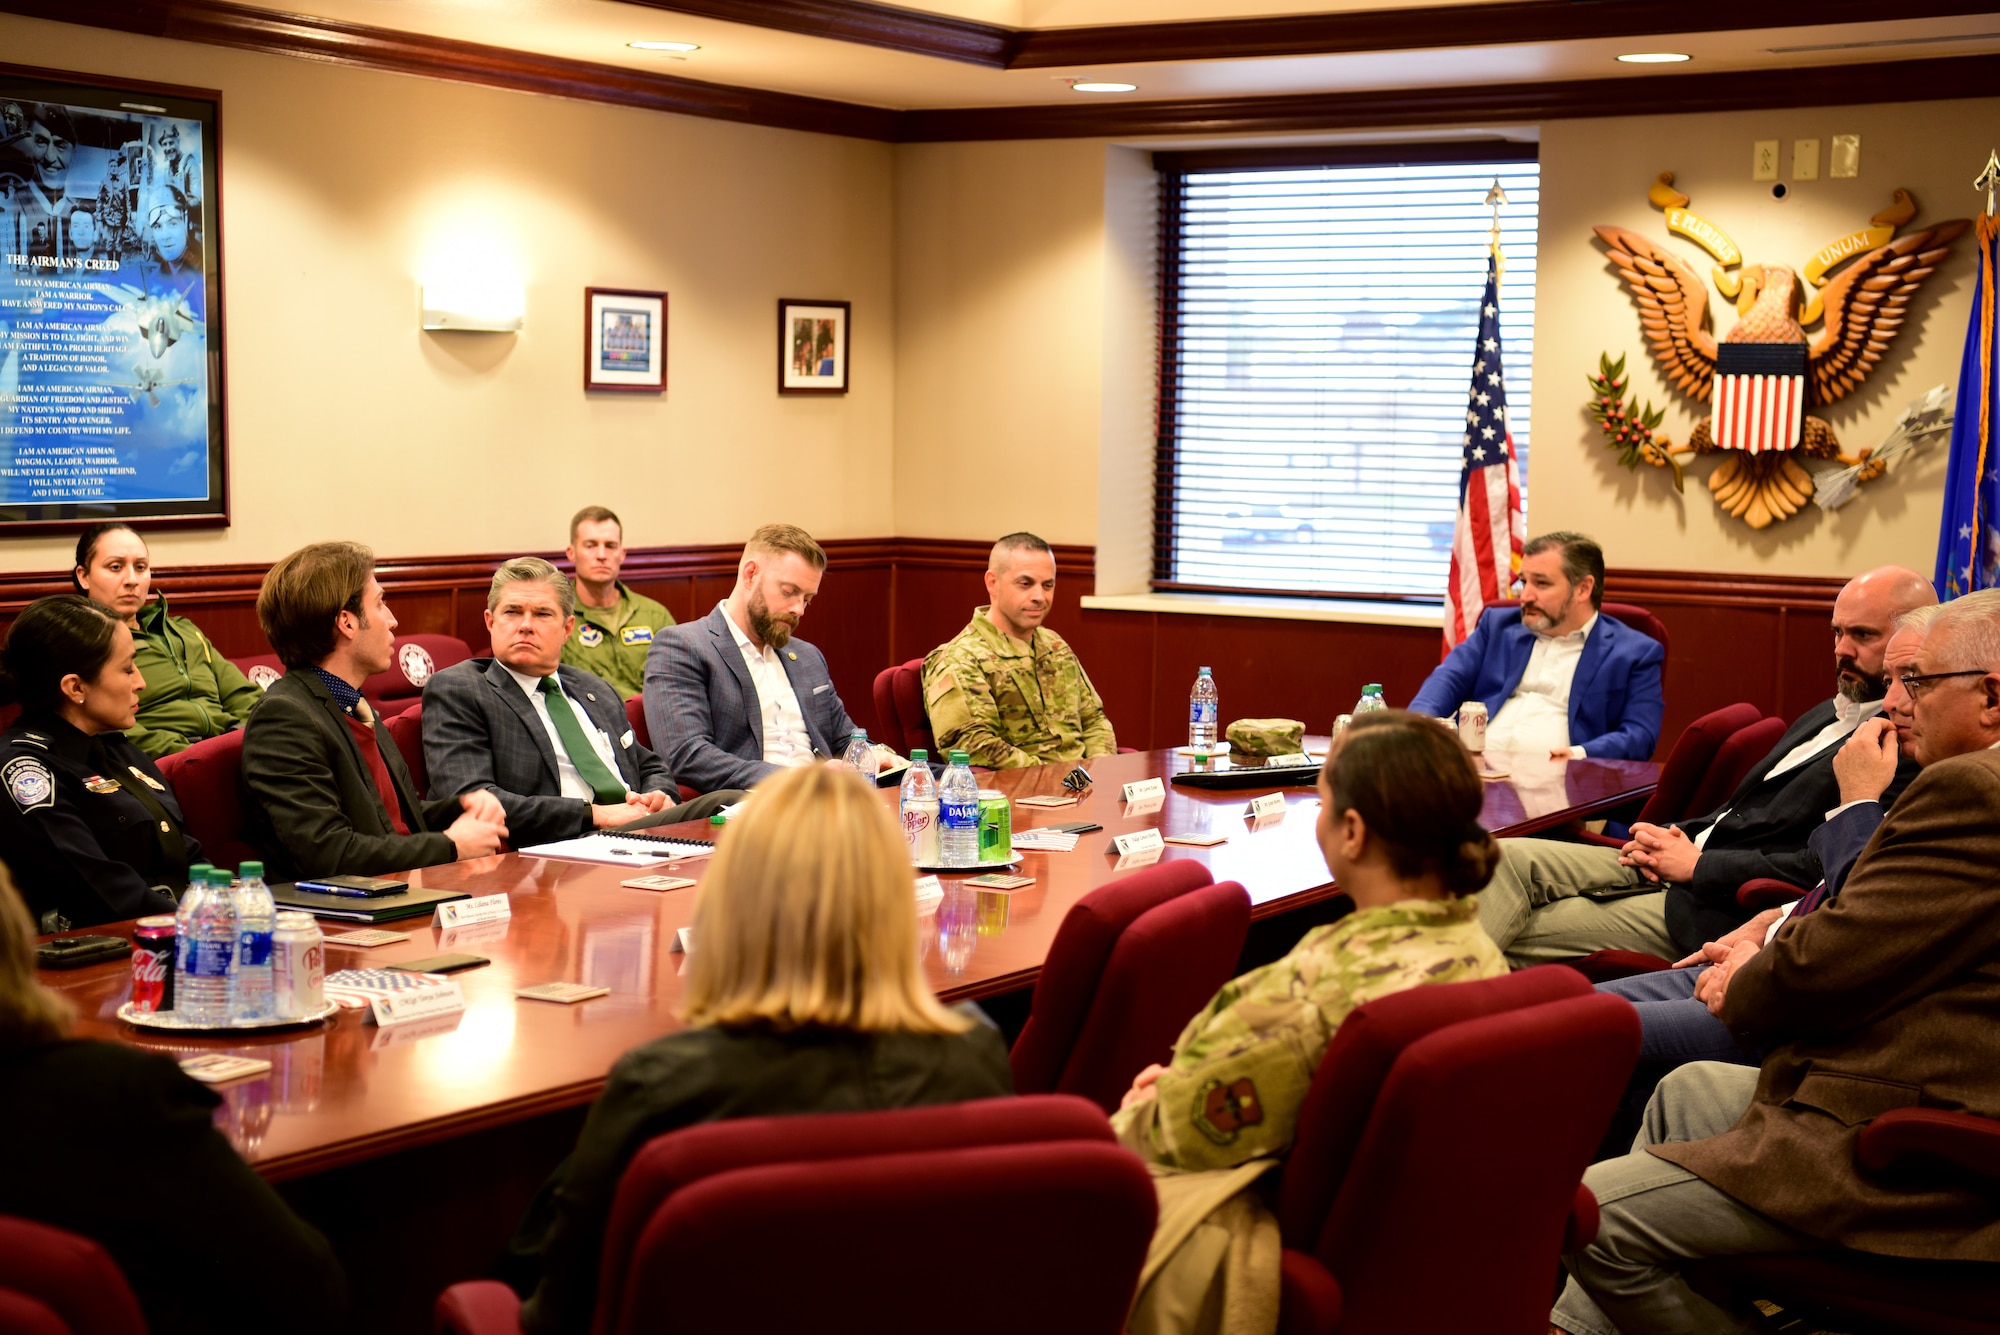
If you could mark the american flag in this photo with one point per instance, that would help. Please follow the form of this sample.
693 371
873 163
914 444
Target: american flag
1486 547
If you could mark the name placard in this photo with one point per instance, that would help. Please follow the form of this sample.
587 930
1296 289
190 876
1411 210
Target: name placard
1268 804
478 933
929 888
1291 761
1140 789
465 912
1139 841
1144 858
684 940
417 1003
1144 806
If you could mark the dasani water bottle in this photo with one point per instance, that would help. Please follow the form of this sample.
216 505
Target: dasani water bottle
958 814
1202 712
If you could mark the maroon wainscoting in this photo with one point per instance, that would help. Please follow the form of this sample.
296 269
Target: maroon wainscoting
887 600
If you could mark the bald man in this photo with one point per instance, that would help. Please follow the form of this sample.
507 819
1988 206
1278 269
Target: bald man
1008 691
1673 887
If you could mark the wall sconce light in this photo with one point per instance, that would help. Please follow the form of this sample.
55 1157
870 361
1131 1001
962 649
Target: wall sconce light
474 306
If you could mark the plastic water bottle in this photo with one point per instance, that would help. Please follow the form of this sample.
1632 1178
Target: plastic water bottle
256 918
205 945
958 814
1202 706
861 755
918 808
1371 700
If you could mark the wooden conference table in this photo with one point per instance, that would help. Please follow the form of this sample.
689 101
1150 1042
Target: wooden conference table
349 1091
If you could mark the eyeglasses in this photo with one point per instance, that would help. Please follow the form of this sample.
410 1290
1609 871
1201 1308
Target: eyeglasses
1911 681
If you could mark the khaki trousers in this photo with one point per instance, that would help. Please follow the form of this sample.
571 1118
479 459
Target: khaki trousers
1550 901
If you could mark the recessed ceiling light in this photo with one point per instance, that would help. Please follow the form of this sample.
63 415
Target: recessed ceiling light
1099 86
1652 58
673 46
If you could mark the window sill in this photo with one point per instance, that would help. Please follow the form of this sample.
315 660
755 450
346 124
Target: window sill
1280 609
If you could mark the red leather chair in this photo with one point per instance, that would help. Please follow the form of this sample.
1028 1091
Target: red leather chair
1686 766
635 716
207 780
784 1224
1131 964
406 730
417 659
899 708
1633 615
54 1282
1489 1095
262 669
1883 1292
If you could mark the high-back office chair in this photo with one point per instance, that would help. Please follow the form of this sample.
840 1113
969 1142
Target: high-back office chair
706 1217
899 708
1489 1095
1131 964
207 780
1687 765
406 730
1734 759
1884 1292
54 1282
1633 615
635 718
417 659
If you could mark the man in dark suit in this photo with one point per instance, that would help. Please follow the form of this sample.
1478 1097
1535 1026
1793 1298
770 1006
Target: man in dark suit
1555 676
550 741
733 697
328 791
1673 888
1882 999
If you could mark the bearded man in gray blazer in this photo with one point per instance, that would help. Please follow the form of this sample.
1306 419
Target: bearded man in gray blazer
733 698
550 741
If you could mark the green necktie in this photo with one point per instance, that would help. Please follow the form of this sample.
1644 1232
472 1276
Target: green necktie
607 787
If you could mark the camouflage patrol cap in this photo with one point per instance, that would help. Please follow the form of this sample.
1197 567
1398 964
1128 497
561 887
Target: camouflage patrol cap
1267 736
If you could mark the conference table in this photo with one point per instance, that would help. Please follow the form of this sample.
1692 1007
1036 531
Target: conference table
499 1087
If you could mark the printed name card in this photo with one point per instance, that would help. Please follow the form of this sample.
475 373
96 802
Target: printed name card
929 888
465 912
683 940
1288 762
1269 804
417 1003
1141 789
1139 841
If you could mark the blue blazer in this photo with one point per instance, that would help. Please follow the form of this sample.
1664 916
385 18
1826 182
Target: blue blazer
1615 700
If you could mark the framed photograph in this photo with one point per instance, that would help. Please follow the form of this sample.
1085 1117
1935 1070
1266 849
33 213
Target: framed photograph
624 340
111 395
812 346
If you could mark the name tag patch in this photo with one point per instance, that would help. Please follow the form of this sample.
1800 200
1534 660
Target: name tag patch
589 636
29 783
636 635
97 783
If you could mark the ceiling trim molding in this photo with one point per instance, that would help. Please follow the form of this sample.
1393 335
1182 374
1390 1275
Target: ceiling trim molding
857 21
363 46
1823 85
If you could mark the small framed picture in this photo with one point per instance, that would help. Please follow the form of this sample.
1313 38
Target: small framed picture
812 346
624 340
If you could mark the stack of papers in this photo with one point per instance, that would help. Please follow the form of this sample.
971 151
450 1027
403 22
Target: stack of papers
1044 841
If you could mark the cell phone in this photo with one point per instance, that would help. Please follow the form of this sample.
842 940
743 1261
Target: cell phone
355 887
441 964
74 952
1075 827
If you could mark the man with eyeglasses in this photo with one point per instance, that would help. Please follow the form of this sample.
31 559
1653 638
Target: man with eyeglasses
1673 887
1881 999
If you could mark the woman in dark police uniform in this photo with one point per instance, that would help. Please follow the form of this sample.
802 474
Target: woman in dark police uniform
86 822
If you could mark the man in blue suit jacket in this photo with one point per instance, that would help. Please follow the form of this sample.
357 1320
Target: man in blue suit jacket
734 698
1553 674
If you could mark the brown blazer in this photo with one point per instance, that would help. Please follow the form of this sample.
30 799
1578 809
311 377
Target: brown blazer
1886 997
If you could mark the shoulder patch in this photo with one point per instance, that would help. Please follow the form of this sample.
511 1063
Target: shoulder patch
1225 1110
29 783
636 635
589 636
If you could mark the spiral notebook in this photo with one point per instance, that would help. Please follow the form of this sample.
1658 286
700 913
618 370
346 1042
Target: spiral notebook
621 850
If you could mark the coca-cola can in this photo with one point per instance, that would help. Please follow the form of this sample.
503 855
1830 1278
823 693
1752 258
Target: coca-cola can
298 967
1472 725
153 964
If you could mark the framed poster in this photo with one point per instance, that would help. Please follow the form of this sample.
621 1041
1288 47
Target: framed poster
812 346
624 340
111 350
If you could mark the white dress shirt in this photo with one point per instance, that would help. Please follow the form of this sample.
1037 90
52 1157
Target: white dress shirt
1535 718
1847 716
572 782
786 741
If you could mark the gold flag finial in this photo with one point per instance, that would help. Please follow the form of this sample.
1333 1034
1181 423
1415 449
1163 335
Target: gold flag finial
1495 197
1989 180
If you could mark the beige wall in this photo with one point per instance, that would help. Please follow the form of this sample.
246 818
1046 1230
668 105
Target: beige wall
342 189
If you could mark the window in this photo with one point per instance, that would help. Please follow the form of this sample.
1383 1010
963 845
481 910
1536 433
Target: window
1318 322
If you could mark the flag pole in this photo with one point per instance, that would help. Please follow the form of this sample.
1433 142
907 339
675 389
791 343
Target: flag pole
1988 180
1496 197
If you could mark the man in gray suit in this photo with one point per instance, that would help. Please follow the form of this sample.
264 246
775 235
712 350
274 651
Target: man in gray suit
733 697
550 741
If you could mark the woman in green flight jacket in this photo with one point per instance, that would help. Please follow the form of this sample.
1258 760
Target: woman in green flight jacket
192 692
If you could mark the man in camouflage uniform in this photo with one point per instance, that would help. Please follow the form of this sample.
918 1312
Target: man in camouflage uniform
1240 1070
614 626
1008 691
